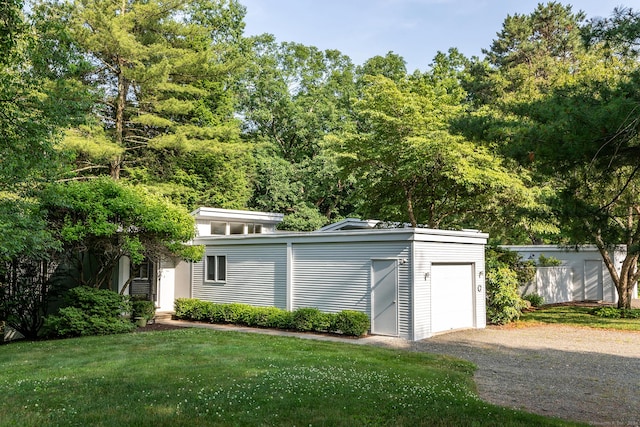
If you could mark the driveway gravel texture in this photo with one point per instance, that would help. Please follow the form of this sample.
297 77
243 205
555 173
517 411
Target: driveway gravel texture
574 373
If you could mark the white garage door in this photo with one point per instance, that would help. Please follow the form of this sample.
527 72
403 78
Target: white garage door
451 297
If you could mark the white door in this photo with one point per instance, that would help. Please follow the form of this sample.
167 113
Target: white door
451 297
593 280
384 297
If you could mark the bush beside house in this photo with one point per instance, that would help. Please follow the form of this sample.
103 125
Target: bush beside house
90 311
346 322
505 273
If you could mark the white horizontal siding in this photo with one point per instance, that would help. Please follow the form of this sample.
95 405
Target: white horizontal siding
256 275
337 276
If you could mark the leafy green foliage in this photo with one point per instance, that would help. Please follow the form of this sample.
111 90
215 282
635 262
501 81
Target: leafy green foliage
295 96
25 293
90 312
305 218
354 323
142 308
536 300
111 220
347 322
544 261
504 275
411 167
310 319
504 304
616 313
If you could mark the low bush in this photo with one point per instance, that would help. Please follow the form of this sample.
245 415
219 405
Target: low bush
190 309
536 300
616 313
607 312
90 311
350 322
633 313
347 322
310 319
142 308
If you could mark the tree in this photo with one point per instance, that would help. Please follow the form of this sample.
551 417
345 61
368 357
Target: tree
410 167
100 221
576 128
34 105
295 96
165 74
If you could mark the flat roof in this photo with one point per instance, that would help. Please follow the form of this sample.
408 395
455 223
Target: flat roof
363 235
231 214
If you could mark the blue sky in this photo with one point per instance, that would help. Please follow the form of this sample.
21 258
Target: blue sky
414 29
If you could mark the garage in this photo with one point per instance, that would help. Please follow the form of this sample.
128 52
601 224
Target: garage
452 305
411 282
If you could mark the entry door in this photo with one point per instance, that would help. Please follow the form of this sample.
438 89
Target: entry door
384 297
593 280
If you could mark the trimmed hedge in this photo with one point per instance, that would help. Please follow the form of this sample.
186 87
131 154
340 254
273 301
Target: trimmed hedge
347 322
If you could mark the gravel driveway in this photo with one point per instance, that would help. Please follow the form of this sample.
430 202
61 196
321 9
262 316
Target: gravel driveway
578 374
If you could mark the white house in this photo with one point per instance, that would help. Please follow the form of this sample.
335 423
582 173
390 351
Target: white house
582 275
412 282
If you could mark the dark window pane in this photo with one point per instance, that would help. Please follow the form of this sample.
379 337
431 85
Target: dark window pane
211 268
222 268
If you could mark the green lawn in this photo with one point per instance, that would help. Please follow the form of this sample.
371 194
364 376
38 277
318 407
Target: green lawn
196 377
577 316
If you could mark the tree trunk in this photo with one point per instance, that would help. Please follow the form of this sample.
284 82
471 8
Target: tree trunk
123 87
412 217
624 280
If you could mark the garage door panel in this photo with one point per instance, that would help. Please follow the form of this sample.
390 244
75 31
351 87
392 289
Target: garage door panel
452 305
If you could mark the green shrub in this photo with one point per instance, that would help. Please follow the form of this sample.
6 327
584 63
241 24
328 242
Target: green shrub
190 309
143 308
267 317
535 299
504 305
616 313
607 312
347 322
350 322
310 319
90 311
505 272
233 313
544 261
631 313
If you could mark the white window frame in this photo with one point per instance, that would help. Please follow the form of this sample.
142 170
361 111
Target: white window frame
216 274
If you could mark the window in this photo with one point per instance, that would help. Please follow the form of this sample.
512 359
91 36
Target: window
219 228
216 268
236 228
254 228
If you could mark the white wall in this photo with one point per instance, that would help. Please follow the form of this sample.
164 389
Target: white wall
568 282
